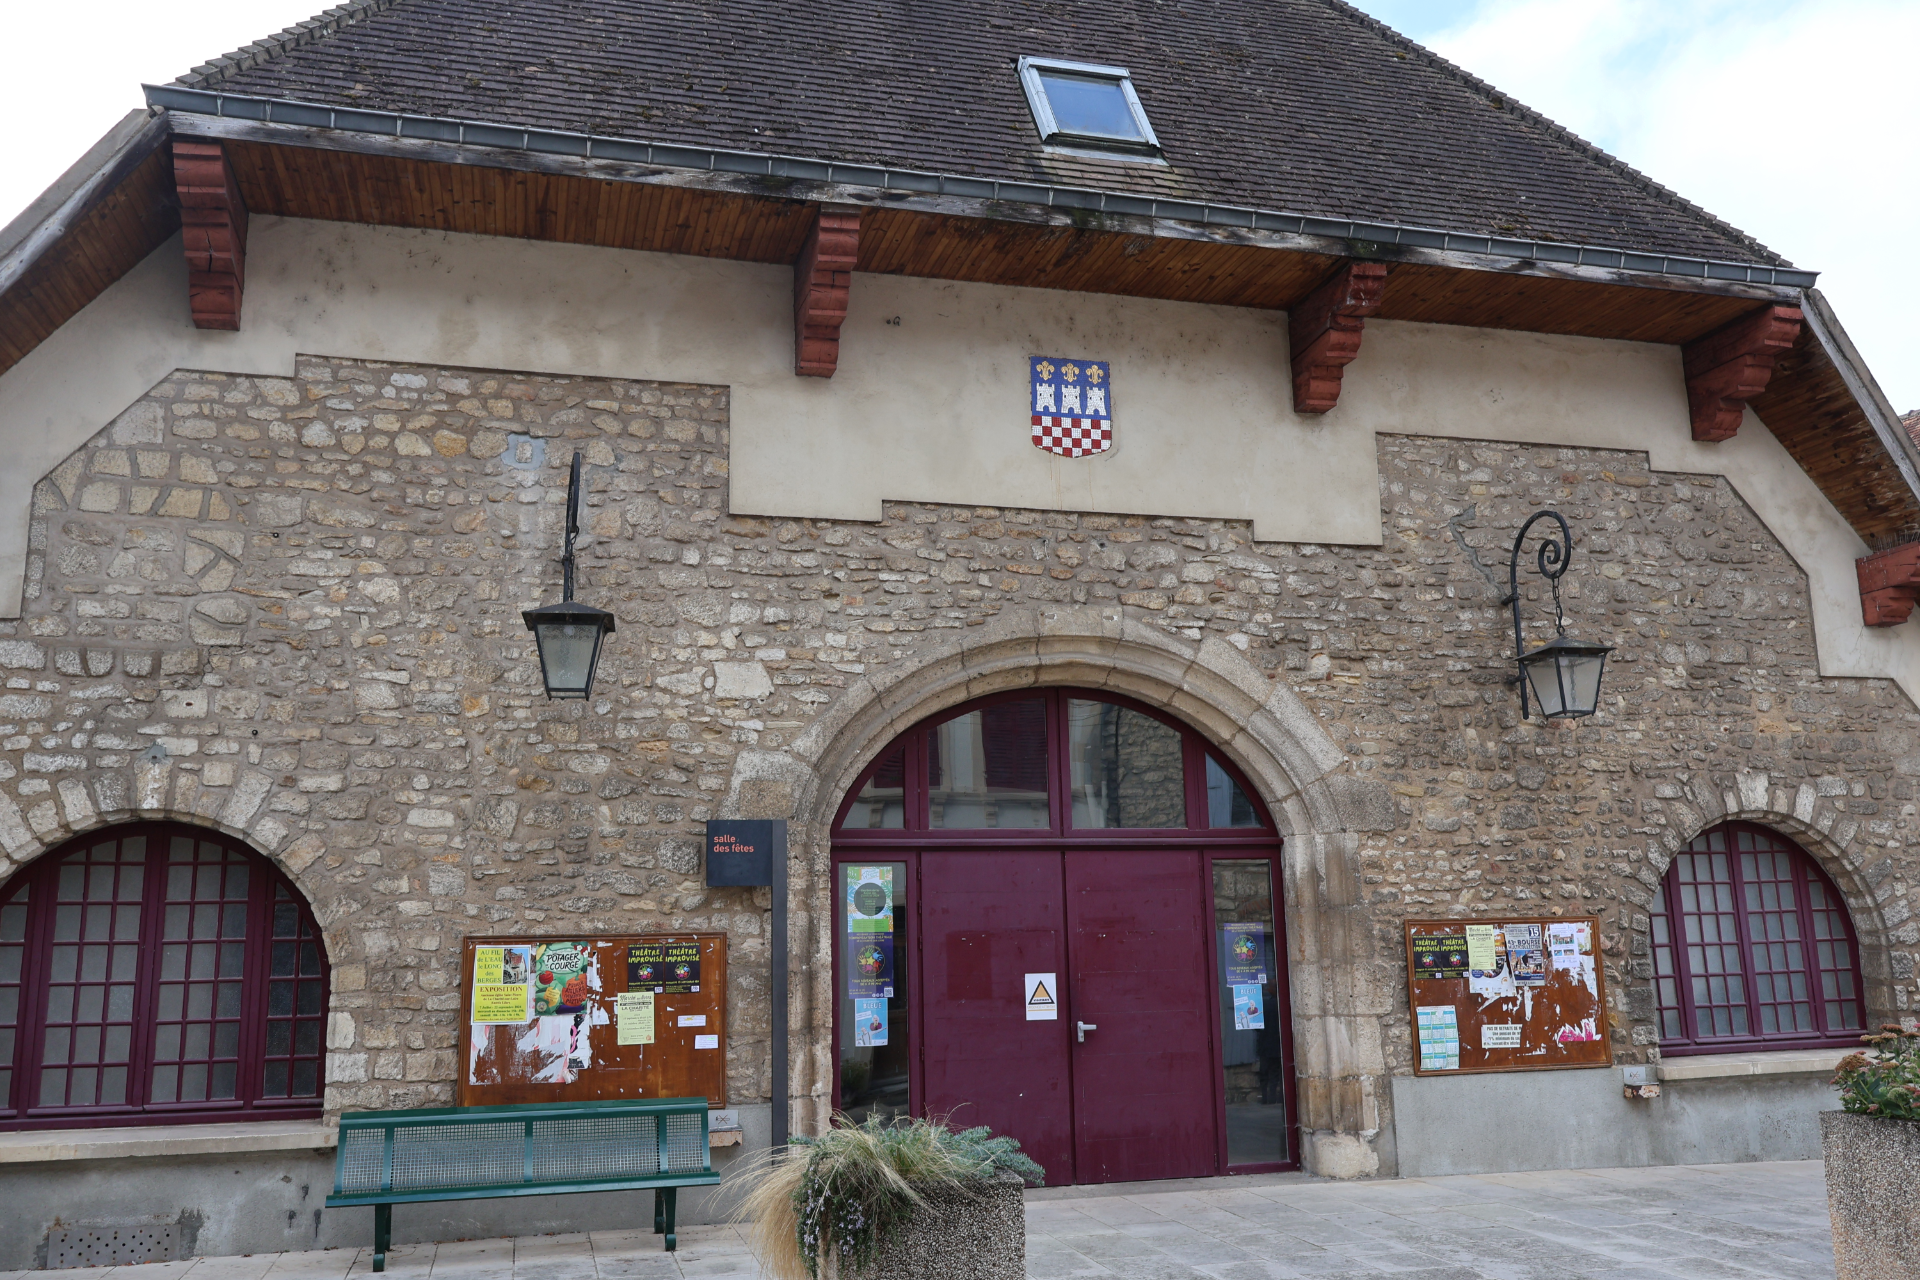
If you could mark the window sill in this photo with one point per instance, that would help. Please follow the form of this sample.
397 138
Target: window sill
166 1140
1779 1062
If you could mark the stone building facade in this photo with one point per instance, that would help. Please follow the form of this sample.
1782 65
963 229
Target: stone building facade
288 608
292 375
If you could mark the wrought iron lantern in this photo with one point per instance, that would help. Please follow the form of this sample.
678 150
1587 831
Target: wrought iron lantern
568 634
1563 675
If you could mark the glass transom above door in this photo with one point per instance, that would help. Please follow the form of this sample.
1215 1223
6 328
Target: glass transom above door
1058 760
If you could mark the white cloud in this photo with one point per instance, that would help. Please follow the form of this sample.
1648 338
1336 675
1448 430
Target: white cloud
1795 121
76 69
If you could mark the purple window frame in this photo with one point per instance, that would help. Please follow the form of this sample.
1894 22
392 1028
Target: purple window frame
19 1104
904 844
1672 961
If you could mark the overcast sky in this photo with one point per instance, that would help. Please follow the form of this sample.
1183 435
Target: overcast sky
1795 120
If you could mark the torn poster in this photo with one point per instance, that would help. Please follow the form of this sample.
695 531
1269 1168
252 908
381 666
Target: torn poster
1526 954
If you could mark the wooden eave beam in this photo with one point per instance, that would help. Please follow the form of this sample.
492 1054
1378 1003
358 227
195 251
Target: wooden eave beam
1324 331
213 225
822 285
1733 364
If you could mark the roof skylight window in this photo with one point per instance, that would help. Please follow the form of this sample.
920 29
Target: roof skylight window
1084 107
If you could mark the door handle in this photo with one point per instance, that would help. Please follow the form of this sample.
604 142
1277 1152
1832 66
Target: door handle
1081 1029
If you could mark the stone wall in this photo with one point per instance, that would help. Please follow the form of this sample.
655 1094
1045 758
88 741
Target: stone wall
339 560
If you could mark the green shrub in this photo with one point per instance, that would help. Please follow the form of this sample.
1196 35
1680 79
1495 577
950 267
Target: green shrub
1886 1084
845 1193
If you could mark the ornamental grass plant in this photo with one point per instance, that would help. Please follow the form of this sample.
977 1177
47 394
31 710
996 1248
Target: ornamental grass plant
1887 1083
828 1206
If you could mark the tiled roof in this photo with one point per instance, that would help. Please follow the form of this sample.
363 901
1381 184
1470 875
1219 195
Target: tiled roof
1911 421
1302 106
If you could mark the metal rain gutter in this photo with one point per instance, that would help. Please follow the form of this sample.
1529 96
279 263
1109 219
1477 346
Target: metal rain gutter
717 160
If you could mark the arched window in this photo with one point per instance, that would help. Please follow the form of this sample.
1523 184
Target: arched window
156 973
1752 948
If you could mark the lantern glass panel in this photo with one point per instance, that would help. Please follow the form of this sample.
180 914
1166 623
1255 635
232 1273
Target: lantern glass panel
1580 673
567 651
1543 674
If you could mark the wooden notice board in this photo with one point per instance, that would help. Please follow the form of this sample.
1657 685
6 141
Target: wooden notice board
545 1018
1512 993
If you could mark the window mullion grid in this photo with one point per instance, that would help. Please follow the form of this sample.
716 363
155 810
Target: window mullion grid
1059 764
1193 765
1809 944
1682 963
258 941
913 773
30 1038
1749 966
146 990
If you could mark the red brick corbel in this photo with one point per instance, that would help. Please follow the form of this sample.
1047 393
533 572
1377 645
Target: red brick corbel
1324 332
1889 584
1732 365
213 222
822 280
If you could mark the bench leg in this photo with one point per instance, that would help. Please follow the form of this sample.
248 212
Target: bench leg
670 1195
382 1234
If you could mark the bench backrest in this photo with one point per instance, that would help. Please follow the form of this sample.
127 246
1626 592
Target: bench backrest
543 1143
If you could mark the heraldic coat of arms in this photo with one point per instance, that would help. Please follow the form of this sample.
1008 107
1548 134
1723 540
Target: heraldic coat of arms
1072 403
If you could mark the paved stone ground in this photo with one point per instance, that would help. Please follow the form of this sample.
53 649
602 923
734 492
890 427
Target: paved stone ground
1694 1222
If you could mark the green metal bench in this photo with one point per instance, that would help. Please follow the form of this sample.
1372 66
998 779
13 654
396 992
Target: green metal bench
537 1149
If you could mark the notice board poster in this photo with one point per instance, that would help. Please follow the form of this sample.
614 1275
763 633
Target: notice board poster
575 1019
1518 993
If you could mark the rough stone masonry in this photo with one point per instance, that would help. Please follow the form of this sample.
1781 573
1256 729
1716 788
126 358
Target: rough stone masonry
290 607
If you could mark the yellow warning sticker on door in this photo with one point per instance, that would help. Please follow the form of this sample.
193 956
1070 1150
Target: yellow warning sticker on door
1043 998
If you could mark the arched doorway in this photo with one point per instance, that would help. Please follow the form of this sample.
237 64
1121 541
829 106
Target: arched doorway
1057 915
153 973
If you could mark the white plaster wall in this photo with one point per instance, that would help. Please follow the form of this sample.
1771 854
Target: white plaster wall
929 403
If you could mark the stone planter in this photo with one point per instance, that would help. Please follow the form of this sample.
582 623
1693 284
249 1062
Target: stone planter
980 1235
1873 1195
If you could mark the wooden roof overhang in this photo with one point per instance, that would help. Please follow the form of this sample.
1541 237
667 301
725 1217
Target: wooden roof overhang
1821 403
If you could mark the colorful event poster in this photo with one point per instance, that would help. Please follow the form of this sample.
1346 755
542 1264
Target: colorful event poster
1483 952
667 968
869 899
561 977
869 1023
1526 954
1249 1007
1246 952
633 1017
1566 943
870 965
501 994
1439 1030
1442 955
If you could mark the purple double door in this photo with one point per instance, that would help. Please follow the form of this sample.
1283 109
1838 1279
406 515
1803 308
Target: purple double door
1120 1087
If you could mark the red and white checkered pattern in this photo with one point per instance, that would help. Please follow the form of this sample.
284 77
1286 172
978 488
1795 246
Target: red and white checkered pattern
1072 437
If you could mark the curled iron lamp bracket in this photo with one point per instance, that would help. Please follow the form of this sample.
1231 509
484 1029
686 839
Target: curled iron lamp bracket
568 635
1552 558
